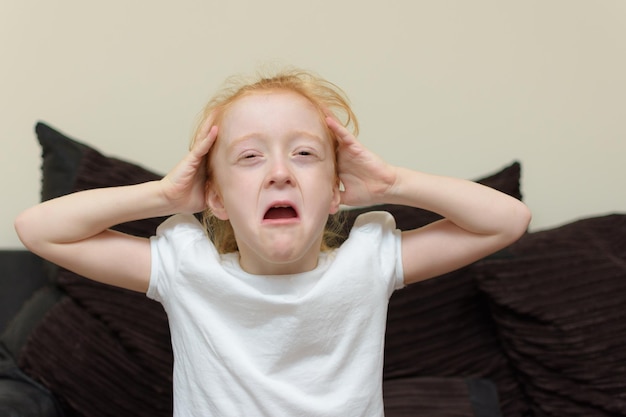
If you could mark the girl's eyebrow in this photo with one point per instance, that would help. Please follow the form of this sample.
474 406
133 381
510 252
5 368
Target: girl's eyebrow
308 135
238 141
260 136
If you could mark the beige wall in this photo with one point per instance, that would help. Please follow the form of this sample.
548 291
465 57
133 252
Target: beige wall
452 87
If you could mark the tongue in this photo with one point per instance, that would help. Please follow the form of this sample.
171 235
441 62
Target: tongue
280 213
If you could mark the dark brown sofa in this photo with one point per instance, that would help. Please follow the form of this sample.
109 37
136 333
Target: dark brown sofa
538 329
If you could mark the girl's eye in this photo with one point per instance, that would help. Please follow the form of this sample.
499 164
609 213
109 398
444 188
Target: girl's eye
248 157
306 153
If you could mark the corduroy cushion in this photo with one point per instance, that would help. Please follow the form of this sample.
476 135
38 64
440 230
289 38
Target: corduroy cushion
559 301
105 351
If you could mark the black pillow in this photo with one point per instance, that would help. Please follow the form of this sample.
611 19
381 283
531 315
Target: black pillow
558 298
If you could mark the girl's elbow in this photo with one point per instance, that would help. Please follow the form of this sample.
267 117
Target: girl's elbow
25 229
520 220
21 227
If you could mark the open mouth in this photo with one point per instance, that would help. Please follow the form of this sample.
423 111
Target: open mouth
280 212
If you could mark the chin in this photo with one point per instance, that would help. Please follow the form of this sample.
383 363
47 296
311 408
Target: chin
289 262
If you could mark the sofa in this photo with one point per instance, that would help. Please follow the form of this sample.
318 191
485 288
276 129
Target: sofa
537 329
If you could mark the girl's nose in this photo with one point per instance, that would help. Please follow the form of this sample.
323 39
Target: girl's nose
279 174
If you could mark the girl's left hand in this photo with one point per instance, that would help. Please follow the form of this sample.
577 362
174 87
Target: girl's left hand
184 187
366 178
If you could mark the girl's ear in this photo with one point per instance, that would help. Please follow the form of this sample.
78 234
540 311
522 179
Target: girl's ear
335 203
216 203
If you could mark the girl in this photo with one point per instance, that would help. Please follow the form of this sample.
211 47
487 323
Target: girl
265 317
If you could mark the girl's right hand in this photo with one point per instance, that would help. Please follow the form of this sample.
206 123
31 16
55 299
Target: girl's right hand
184 187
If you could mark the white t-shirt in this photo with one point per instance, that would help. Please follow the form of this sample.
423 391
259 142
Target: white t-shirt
309 344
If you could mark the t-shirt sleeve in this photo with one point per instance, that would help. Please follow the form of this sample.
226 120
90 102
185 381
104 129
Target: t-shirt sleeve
167 250
379 229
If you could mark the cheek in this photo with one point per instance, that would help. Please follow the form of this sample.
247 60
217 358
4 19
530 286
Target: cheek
235 186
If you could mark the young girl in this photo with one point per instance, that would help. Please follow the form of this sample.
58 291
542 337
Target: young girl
265 318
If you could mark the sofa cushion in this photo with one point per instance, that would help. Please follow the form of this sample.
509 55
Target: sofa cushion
95 371
435 328
558 298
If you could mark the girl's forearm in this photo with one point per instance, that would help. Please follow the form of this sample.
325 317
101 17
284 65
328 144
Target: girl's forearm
78 216
471 206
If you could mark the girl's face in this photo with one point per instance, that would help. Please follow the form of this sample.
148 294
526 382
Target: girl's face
274 179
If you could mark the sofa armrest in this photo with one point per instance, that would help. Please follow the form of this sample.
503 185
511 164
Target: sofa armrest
20 396
20 399
26 294
21 274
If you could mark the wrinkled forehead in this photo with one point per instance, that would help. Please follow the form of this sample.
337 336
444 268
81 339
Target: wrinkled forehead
272 111
276 99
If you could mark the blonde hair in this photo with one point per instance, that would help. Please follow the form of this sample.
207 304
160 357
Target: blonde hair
327 98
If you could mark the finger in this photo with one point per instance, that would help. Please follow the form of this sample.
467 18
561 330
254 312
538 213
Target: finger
343 135
202 131
202 146
205 127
